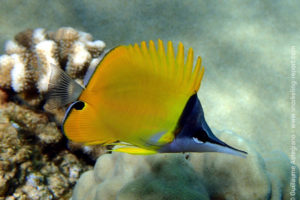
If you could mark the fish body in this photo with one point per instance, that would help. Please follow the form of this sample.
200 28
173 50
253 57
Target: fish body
144 99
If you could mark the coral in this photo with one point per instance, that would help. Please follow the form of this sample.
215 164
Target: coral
217 171
36 160
196 176
25 68
45 52
6 65
28 171
93 151
172 179
22 75
78 60
25 74
36 124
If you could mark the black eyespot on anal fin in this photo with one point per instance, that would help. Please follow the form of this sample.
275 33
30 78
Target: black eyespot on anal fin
78 105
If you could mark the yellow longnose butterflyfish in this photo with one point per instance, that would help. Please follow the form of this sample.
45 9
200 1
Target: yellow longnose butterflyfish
143 99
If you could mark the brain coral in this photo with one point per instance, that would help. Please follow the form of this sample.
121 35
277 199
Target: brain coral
197 176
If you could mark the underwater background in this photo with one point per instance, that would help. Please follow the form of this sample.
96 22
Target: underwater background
248 49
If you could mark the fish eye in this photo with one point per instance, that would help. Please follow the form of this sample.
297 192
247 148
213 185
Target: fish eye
79 105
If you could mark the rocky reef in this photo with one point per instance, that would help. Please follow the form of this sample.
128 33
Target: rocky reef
190 176
36 160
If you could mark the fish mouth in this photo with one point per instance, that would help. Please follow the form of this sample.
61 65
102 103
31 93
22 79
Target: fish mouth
225 148
219 145
186 144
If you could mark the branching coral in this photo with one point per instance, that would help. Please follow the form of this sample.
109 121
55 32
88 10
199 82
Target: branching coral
25 66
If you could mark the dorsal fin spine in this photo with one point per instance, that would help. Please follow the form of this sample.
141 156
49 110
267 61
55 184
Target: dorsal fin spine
196 74
145 50
162 57
131 50
189 66
137 51
199 75
171 59
153 55
180 61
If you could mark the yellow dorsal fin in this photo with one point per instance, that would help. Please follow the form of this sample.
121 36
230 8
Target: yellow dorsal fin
155 63
167 65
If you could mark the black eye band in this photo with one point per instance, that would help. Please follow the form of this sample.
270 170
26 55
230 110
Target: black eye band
78 105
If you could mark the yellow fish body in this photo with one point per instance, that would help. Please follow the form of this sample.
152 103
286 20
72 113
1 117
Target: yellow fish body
144 99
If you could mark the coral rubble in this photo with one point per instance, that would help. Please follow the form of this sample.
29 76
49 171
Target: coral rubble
36 160
198 176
